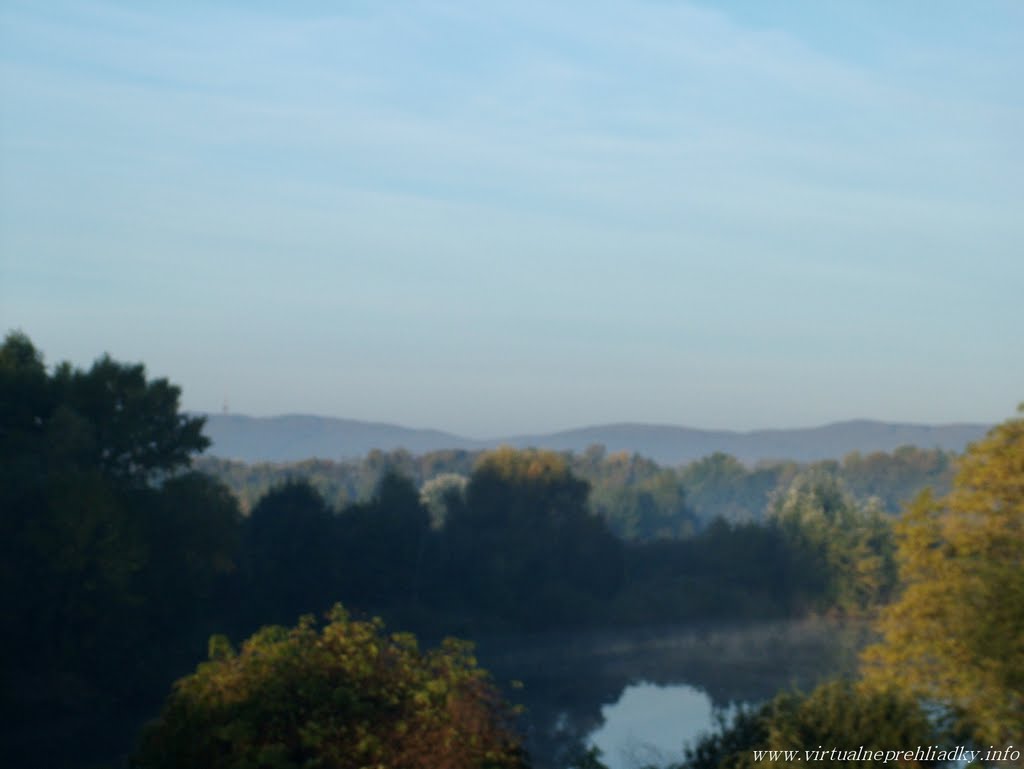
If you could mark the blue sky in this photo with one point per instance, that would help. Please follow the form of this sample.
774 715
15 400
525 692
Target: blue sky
511 217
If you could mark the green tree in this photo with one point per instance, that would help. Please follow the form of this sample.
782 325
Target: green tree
344 697
193 530
524 544
83 456
137 432
719 486
845 548
292 560
638 499
956 633
894 479
384 542
649 509
105 542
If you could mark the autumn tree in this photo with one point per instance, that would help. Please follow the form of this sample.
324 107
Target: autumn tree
956 634
343 697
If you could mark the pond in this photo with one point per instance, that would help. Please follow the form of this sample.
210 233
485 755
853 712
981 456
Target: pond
649 724
639 695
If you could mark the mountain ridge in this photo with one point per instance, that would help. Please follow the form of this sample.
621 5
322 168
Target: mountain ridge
295 437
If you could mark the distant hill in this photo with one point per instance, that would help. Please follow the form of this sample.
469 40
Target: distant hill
297 437
675 445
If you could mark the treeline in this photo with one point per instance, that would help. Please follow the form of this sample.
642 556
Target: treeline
639 499
516 547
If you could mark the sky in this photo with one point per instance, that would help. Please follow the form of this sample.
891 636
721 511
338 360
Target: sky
514 217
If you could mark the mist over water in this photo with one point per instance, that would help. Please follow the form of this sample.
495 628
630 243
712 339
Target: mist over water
639 695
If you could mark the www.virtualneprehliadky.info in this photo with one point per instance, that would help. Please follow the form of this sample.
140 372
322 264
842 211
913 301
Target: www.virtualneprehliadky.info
920 753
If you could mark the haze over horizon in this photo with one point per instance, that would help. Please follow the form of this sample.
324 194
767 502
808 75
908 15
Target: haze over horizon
523 218
580 427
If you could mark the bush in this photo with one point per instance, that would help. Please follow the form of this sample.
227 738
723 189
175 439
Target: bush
347 696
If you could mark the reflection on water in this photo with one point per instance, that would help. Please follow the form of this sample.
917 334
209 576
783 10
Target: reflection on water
622 690
649 724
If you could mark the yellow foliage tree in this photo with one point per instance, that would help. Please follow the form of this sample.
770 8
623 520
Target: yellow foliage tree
346 697
956 634
526 465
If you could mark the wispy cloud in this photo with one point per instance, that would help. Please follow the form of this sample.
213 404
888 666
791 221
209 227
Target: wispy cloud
644 171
